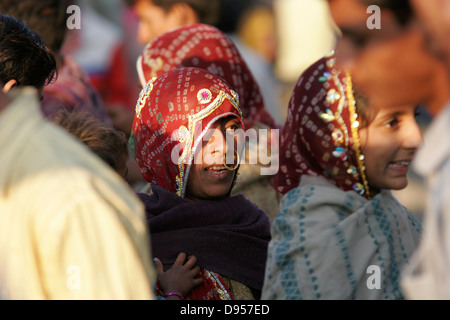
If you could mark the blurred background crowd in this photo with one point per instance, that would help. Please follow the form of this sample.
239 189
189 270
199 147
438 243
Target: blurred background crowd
278 38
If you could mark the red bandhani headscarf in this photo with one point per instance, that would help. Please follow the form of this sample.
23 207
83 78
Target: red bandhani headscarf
320 136
206 47
173 114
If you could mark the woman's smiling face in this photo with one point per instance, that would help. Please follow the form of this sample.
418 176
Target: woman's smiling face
215 164
389 144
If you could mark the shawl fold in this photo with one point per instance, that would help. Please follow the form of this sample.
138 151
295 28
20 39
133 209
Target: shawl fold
228 236
334 244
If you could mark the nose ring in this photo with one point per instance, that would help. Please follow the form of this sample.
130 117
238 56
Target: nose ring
237 162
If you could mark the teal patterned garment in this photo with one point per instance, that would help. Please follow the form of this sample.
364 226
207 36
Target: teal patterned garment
331 244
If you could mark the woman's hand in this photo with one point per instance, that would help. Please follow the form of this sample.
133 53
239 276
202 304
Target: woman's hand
180 278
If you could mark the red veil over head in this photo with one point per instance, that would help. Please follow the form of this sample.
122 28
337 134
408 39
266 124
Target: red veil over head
173 114
320 136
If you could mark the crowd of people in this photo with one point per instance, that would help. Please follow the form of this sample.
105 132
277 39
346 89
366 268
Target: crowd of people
184 176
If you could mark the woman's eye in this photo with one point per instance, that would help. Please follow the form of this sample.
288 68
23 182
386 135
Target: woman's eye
392 123
232 129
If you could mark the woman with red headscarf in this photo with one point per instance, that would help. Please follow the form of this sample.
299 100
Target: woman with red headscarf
206 47
340 234
187 141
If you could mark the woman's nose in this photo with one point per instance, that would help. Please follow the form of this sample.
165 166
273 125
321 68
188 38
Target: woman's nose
214 147
413 136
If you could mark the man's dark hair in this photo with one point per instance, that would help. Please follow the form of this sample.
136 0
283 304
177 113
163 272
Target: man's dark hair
207 11
401 9
45 17
23 56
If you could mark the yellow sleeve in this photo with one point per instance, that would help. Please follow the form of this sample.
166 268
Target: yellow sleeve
95 248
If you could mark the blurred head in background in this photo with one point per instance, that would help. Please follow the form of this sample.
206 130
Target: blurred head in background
435 15
159 16
390 64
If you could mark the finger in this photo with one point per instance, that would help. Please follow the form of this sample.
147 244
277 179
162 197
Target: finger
195 271
158 266
191 262
197 282
180 259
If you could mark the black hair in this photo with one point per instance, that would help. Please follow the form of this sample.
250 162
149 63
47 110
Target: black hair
23 56
47 18
207 11
365 113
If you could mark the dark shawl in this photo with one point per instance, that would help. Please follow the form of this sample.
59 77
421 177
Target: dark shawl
228 236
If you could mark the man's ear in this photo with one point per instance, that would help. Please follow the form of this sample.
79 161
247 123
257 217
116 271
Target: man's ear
4 100
183 13
9 85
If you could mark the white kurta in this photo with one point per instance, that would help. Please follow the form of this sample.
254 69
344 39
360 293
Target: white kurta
428 277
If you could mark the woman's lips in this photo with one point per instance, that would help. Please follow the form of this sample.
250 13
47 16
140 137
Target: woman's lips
217 171
400 166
